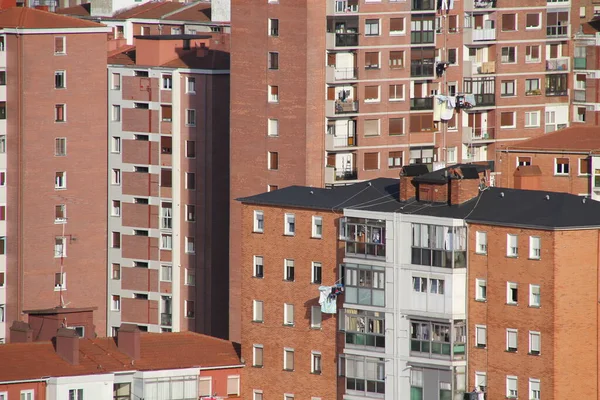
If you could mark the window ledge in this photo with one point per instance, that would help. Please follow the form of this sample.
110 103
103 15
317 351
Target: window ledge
481 300
512 304
258 277
562 175
288 370
512 256
316 328
317 237
510 351
289 280
480 346
258 322
534 354
481 253
258 232
316 373
289 325
535 258
289 234
534 306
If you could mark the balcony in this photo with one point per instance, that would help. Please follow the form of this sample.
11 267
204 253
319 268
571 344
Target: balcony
580 63
579 95
364 237
557 65
343 6
485 99
421 103
557 31
341 74
552 92
423 5
333 142
479 35
346 107
421 70
166 319
334 175
477 135
479 5
346 39
471 68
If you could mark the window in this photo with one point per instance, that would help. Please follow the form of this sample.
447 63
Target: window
166 113
561 166
317 227
167 82
364 284
315 362
288 359
534 389
481 242
509 55
288 314
534 296
395 159
190 245
116 177
535 343
288 273
140 232
116 240
396 59
257 355
509 22
273 127
480 289
143 169
416 384
436 286
315 317
273 27
396 93
434 338
60 47
259 267
480 336
190 277
317 272
60 281
512 249
144 138
557 23
523 161
511 340
190 181
271 188
60 113
166 211
556 84
116 81
273 94
372 60
438 246
371 127
2 144
532 21
532 87
115 303
371 94
273 60
371 161
116 113
204 387
190 84
273 161
422 29
419 284
258 394
580 114
422 61
190 213
60 147
190 310
190 149
584 166
2 280
60 80
60 213
75 394
512 293
141 106
60 180
166 241
507 88
396 26
257 311
371 27
2 313
532 54
166 273
259 221
511 387
535 245
190 117
140 200
452 56
290 224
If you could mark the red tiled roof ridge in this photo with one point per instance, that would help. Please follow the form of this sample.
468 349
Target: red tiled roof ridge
122 49
573 138
31 18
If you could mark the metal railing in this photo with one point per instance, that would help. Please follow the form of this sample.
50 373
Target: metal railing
166 319
346 39
421 103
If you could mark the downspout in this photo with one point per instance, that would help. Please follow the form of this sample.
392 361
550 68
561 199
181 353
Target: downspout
207 284
20 266
149 194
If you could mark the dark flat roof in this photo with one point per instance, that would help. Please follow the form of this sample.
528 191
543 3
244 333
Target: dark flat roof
172 37
495 206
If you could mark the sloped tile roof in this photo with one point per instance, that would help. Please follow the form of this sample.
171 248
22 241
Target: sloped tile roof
31 18
150 10
574 138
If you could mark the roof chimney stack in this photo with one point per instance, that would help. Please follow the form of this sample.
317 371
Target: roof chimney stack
67 345
21 332
128 340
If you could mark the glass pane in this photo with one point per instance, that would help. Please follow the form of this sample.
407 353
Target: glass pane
351 295
378 298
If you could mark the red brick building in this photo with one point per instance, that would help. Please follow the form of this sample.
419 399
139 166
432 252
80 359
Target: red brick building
53 166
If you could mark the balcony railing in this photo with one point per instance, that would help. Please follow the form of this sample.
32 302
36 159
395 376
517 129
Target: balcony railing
362 339
421 103
421 69
485 99
559 64
166 319
557 31
556 92
483 34
346 39
346 6
580 63
342 74
345 107
482 133
346 174
481 4
333 142
579 95
423 5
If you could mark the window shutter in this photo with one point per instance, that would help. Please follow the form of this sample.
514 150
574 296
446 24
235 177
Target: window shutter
415 123
330 93
535 52
396 59
167 113
371 127
331 59
371 92
452 23
275 90
563 17
274 160
525 159
506 119
584 166
165 177
396 24
508 22
232 384
452 121
512 340
258 356
580 77
552 18
371 161
565 49
553 51
535 342
331 160
204 387
562 160
372 59
533 20
427 122
396 126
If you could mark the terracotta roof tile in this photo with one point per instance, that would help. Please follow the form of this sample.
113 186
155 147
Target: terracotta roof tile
150 10
31 18
82 10
23 361
122 56
575 138
214 59
199 12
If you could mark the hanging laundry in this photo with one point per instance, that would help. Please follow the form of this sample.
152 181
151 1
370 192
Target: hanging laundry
470 98
438 101
328 298
447 111
452 101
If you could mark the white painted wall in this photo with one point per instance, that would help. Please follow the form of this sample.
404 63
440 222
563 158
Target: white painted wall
220 10
95 387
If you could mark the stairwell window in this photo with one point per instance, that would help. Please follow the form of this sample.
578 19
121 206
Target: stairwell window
2 144
166 241
273 94
76 394
190 181
190 245
60 80
60 281
273 27
60 213
289 228
116 240
60 113
561 166
116 81
60 180
190 117
273 60
60 45
480 289
315 362
190 277
190 213
60 247
315 317
273 160
60 147
190 309
512 249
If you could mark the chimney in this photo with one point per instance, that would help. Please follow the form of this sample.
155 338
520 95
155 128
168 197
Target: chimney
67 345
463 189
128 340
407 188
21 332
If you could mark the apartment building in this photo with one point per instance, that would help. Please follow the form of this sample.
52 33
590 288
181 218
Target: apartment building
362 102
425 311
52 170
152 366
168 184
562 161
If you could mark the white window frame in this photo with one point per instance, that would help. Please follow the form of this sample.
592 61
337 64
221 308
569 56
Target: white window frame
396 93
116 113
532 299
508 56
188 80
512 248
376 100
535 247
116 177
259 221
190 245
313 266
509 287
237 390
479 295
505 85
481 381
402 32
60 250
481 336
169 269
77 394
529 59
64 108
190 277
115 302
528 119
60 53
273 127
60 181
64 78
190 213
58 220
186 309
316 360
285 352
481 242
512 393
288 314
115 81
208 379
258 260
258 394
316 222
2 144
258 311
190 117
166 241
273 98
166 82
255 349
533 351
289 224
369 27
452 153
115 145
562 172
316 323
514 122
512 335
63 285
534 389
